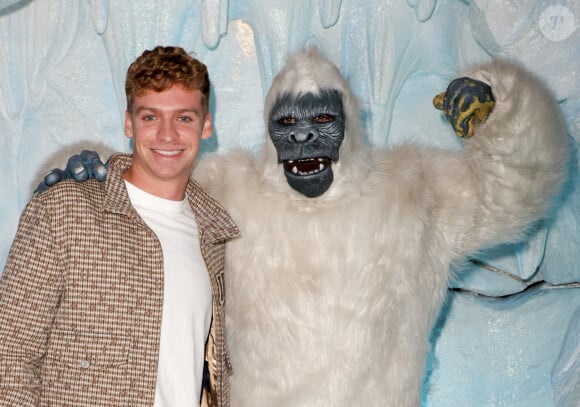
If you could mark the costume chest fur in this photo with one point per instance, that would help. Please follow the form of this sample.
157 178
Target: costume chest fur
317 305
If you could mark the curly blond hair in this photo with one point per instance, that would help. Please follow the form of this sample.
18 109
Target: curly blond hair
161 68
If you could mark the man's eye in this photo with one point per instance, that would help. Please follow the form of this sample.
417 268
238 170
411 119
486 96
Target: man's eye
148 117
185 119
286 121
324 118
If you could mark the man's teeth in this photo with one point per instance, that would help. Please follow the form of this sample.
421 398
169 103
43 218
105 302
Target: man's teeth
168 153
295 170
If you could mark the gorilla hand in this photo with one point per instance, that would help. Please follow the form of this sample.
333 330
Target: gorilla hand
466 103
79 167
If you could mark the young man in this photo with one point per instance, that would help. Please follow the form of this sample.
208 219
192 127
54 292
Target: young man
113 291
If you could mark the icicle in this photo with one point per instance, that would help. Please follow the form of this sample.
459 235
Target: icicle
7 3
329 12
214 21
423 8
100 13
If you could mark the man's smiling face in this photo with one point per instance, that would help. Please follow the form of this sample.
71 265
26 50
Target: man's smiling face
166 128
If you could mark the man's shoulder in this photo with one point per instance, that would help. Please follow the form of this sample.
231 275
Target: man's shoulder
72 192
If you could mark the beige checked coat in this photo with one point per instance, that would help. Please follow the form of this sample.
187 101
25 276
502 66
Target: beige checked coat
81 298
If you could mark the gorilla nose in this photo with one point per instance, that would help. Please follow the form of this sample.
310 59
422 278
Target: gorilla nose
302 137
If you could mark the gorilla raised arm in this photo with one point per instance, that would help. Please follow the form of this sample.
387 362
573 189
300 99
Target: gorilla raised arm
344 258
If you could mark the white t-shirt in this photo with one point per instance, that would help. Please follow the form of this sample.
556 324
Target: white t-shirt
187 298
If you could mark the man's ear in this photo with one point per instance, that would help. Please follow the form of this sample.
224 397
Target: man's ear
128 125
207 130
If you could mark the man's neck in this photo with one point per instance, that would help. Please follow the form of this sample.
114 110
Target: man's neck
172 190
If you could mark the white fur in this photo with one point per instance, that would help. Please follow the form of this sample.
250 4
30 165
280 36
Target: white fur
330 300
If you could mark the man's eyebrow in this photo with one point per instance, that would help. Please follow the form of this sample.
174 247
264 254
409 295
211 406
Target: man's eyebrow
190 110
155 110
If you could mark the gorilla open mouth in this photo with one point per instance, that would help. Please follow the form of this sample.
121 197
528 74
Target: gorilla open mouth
309 176
308 166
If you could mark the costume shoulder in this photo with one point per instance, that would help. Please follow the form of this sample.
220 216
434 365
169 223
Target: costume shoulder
217 172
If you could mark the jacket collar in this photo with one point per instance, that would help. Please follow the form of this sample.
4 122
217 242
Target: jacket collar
212 219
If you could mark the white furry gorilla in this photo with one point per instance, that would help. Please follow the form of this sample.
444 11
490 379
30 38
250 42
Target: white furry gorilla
331 294
345 252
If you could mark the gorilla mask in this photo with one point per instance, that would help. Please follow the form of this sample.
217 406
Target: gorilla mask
307 130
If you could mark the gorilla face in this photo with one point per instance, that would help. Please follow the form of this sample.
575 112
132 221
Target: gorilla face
307 131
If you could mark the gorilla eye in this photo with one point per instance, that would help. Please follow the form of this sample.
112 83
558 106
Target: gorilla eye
286 121
324 118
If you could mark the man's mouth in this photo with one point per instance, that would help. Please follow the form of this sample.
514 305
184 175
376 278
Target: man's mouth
168 153
307 166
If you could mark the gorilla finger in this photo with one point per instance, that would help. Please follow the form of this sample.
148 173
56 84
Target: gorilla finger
100 172
54 176
93 164
465 127
438 101
40 188
76 169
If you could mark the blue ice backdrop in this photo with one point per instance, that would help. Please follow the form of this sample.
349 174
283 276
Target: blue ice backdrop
509 333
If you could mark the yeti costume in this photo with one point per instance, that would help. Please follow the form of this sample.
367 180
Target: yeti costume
331 299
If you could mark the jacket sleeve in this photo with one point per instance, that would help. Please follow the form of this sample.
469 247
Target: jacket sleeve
30 290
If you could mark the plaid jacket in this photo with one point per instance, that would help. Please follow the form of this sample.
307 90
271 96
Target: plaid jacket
81 298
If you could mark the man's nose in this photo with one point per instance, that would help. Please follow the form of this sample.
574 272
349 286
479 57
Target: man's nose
167 131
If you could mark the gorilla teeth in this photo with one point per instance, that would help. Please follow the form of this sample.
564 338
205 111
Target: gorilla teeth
308 166
296 172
